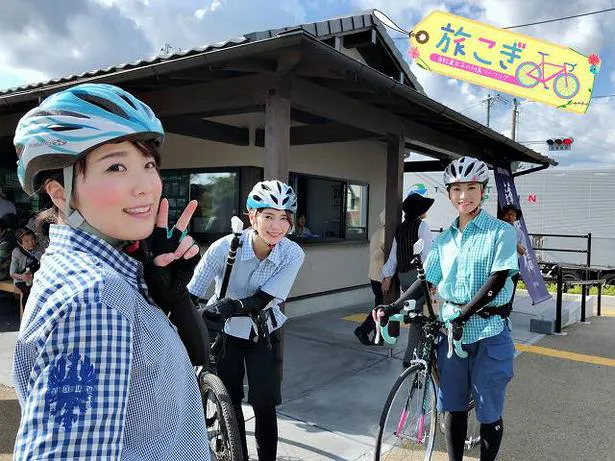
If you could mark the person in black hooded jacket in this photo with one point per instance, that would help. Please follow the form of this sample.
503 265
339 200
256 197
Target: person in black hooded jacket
412 228
414 207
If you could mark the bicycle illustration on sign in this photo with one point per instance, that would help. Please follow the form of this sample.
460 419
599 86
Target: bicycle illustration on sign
565 84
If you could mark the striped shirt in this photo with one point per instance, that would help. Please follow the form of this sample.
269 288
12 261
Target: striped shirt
460 263
274 275
100 372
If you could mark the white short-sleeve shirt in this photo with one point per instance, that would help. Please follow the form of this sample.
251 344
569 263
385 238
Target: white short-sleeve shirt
274 275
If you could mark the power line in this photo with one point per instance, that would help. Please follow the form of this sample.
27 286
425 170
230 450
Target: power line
590 13
606 10
543 118
472 106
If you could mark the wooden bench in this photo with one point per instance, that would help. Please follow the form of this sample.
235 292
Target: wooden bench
8 286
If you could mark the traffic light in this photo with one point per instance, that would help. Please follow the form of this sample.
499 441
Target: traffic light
560 143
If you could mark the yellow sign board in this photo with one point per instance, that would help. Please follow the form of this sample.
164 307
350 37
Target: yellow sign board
505 61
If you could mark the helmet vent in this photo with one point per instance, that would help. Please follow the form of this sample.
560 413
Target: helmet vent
128 101
56 113
58 128
103 103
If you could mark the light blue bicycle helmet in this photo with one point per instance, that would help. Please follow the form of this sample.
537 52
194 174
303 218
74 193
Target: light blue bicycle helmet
272 194
68 125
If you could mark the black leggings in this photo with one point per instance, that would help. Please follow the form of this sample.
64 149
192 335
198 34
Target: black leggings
263 368
368 324
456 428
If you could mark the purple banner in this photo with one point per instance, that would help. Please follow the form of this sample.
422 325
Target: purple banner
530 271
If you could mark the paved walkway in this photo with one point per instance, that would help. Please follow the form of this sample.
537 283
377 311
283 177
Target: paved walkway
560 405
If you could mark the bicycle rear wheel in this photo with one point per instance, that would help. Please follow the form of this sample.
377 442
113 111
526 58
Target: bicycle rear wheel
408 422
473 434
222 429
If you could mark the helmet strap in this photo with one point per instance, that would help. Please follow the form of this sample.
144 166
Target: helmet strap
271 246
75 219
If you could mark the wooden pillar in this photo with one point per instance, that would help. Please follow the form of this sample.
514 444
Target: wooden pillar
394 182
277 131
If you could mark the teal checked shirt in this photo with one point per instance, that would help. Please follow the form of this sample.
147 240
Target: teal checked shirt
460 263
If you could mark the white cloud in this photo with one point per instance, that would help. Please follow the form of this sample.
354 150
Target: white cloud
213 6
43 40
594 139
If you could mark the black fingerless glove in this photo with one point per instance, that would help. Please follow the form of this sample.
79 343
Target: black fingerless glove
388 309
167 287
223 308
457 326
168 284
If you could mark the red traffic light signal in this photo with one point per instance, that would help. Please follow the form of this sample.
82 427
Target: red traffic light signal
560 143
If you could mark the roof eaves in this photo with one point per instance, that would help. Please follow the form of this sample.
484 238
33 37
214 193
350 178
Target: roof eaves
126 66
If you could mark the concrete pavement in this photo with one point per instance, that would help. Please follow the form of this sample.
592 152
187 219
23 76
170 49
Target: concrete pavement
334 389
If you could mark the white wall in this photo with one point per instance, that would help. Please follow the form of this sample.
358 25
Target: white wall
327 266
554 201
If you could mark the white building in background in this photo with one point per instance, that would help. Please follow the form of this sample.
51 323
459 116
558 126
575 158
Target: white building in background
554 201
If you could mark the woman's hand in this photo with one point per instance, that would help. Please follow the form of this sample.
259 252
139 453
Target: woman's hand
164 240
386 284
174 258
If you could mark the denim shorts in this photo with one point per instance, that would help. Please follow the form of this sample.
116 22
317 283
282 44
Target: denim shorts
484 375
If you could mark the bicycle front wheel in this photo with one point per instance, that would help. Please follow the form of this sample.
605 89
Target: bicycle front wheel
566 86
408 422
222 429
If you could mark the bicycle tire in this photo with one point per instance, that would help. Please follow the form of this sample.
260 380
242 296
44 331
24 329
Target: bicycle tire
473 434
418 425
574 86
222 429
523 70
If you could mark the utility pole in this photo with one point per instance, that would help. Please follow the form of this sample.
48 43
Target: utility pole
514 166
488 109
514 119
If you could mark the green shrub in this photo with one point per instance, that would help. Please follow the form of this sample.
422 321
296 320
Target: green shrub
552 288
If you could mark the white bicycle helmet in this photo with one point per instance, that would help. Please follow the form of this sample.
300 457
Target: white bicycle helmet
466 169
272 194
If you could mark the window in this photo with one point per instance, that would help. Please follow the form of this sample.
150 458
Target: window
356 211
217 194
330 209
217 197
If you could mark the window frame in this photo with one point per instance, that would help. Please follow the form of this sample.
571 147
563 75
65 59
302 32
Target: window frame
292 179
207 237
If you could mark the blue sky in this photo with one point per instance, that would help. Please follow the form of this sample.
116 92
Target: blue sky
43 40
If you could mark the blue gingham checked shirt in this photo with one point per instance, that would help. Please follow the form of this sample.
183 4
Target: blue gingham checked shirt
274 275
460 263
100 372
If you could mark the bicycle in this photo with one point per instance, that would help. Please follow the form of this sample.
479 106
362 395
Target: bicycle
221 422
565 84
220 419
409 418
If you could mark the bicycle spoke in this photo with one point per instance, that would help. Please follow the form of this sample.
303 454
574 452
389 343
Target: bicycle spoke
409 428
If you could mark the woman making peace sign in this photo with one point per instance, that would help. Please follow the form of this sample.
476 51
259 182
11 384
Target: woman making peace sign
100 371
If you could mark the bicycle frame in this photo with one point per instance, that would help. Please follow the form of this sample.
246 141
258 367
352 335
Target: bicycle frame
542 66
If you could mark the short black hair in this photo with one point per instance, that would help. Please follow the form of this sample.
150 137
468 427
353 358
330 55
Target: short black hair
511 207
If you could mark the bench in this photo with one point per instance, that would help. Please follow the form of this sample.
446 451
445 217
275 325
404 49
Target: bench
9 287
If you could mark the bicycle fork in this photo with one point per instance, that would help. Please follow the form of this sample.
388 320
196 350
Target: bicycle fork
418 419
